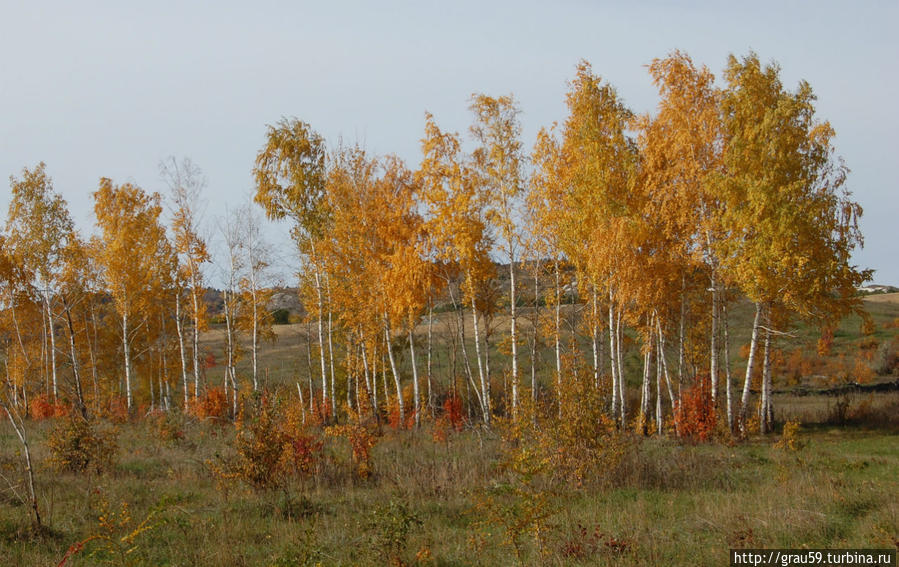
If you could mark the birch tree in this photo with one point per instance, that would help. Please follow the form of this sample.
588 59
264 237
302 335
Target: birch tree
128 249
186 182
39 228
290 174
791 222
455 221
499 159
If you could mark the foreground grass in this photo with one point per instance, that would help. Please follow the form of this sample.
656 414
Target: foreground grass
665 503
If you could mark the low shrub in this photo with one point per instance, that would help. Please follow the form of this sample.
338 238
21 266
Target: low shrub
77 445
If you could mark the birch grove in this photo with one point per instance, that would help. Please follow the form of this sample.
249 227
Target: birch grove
616 251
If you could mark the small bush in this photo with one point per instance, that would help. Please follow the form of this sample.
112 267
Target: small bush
695 416
77 445
281 316
260 447
269 448
790 440
40 408
361 439
391 525
211 405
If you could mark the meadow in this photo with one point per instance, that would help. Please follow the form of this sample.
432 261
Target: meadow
467 495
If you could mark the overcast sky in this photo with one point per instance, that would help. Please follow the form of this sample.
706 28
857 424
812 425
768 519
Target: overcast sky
107 89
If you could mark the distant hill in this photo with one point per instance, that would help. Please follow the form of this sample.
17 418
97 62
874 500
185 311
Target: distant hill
283 298
876 288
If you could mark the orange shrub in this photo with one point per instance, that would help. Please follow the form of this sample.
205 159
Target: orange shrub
212 404
452 410
305 453
40 407
361 442
393 410
696 417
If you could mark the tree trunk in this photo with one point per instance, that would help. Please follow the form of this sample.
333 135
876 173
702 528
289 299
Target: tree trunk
331 352
680 345
76 374
396 376
594 338
674 401
645 391
52 342
126 348
728 386
91 346
196 336
535 337
485 392
430 329
302 402
621 382
612 355
255 337
765 413
557 328
747 382
371 393
416 403
309 366
19 426
513 335
659 356
321 337
179 328
713 344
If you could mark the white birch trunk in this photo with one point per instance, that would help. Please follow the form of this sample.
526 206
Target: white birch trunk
659 356
728 386
396 376
52 342
372 395
622 392
430 329
196 336
331 352
713 345
179 328
645 392
513 335
536 331
321 337
126 348
612 355
674 401
485 392
750 363
765 413
255 337
416 404
558 328
594 339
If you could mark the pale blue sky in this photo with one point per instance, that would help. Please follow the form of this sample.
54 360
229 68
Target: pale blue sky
109 88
